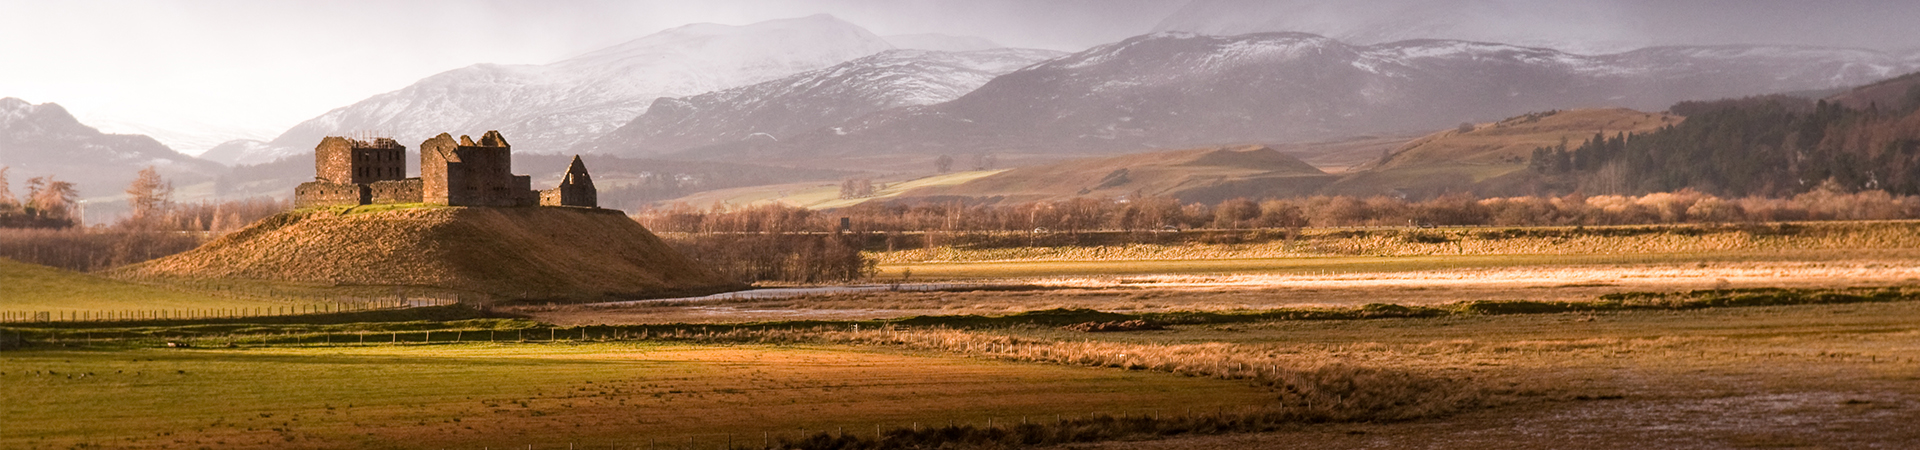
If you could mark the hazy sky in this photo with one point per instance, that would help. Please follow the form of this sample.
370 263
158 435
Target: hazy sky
253 68
261 66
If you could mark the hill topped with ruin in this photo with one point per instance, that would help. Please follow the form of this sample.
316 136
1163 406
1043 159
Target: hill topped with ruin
528 254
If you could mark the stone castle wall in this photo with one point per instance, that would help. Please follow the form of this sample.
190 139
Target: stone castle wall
469 173
453 173
347 161
575 189
435 154
396 191
324 193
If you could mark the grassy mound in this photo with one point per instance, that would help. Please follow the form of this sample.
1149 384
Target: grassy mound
501 253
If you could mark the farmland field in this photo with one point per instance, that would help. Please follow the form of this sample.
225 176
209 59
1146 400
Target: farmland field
1689 378
1715 339
29 288
511 395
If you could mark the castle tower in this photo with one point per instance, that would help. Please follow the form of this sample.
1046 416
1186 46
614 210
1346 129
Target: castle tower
576 188
344 168
341 160
469 173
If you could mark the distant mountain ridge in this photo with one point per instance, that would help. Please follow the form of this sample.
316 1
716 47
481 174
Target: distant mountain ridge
941 42
1578 26
778 109
551 107
1184 90
45 139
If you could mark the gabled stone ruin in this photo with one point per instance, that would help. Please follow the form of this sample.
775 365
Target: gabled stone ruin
473 174
576 188
454 173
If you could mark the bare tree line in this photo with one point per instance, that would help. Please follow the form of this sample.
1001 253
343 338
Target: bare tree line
1155 213
797 258
156 227
49 203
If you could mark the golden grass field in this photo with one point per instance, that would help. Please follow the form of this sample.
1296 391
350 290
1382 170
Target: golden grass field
545 395
1344 368
1692 241
1774 377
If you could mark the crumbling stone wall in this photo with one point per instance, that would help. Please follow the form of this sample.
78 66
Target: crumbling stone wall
396 191
471 173
454 173
435 154
575 189
349 161
323 193
343 168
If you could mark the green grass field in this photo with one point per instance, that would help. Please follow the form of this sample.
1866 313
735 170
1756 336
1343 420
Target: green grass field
1724 376
32 288
544 395
1533 376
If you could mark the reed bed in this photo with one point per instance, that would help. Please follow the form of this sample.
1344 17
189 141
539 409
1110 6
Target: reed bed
1463 241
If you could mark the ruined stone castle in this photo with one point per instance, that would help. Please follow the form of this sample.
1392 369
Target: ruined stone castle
463 173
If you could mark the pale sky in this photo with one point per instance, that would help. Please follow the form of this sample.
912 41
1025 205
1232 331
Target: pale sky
254 68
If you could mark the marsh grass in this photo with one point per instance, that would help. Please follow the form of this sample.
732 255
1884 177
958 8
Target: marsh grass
1474 241
1093 428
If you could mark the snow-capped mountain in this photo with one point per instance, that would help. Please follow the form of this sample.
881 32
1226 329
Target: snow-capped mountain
810 100
552 107
941 42
44 139
238 150
1578 26
1178 90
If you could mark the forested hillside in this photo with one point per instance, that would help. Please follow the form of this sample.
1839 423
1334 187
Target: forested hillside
1771 146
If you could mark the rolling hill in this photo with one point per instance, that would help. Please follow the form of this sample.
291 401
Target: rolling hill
1509 142
1199 175
1898 93
492 253
1453 160
45 139
1463 161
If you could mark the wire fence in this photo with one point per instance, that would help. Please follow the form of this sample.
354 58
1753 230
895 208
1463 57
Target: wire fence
338 305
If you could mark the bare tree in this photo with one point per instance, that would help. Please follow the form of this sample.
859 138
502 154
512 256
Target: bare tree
857 188
7 203
944 164
149 195
50 197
